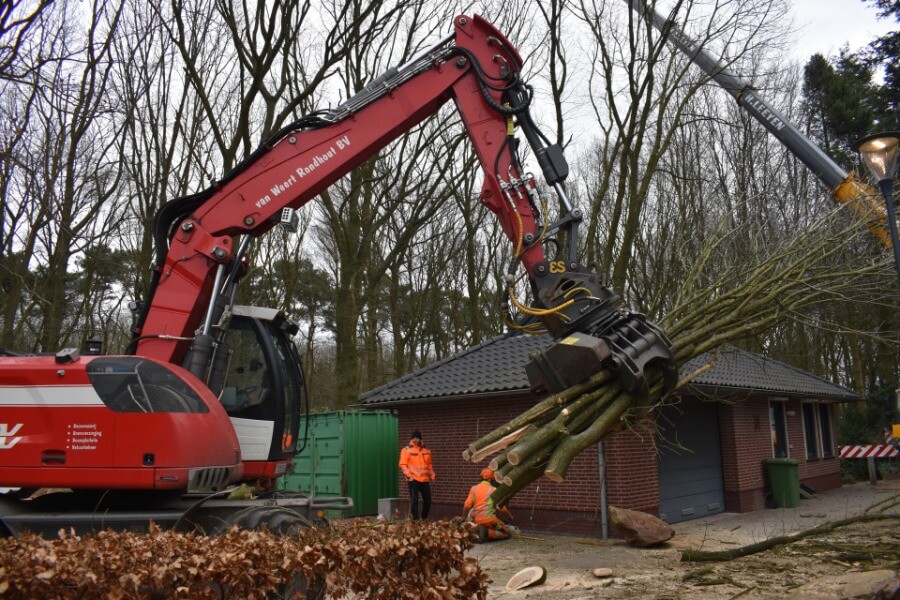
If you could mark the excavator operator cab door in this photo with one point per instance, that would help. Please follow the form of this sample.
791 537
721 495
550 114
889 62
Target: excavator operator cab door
263 384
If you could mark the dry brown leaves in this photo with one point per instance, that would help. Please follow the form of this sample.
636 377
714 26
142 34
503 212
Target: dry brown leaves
353 558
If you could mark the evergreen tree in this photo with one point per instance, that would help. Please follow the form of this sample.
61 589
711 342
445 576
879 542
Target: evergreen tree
885 53
839 99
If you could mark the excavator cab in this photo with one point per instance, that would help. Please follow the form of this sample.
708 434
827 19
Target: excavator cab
263 384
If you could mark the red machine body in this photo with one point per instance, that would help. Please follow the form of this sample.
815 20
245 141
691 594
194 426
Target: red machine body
58 432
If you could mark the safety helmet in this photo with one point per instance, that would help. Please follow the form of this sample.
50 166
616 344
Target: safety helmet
487 473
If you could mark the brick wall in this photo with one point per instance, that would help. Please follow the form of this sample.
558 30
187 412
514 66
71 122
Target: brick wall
448 427
747 443
631 463
570 507
632 476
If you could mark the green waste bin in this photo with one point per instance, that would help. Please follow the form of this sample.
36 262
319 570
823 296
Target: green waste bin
784 477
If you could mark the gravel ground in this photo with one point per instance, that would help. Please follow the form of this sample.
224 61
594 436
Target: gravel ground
659 573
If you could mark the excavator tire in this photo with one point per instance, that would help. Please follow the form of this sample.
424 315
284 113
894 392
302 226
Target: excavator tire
280 521
277 519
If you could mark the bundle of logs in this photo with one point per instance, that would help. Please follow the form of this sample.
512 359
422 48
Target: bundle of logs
544 439
809 269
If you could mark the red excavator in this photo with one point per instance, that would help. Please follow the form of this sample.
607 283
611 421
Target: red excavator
208 394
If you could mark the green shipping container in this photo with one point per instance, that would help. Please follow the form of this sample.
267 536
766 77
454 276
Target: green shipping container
348 454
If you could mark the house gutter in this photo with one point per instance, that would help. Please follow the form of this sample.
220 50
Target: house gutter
699 389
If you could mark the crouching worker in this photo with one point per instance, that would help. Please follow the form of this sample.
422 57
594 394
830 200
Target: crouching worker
480 508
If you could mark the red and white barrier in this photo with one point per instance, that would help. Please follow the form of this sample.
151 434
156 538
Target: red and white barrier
871 451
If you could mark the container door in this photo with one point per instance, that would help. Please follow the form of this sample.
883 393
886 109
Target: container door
328 457
318 469
371 459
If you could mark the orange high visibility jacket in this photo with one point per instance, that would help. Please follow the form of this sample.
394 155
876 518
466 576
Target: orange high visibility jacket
480 502
415 462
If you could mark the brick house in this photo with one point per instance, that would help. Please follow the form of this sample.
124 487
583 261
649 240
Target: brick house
703 455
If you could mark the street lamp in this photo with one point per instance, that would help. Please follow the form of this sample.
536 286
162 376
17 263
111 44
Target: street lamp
881 151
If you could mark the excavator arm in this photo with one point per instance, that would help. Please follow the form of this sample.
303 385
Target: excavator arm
202 239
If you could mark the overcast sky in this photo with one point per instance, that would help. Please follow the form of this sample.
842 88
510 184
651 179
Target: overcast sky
826 25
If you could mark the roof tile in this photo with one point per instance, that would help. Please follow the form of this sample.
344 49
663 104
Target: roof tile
498 365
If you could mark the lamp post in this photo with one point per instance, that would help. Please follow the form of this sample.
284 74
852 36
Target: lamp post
880 151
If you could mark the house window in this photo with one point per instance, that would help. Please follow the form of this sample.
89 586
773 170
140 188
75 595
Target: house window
817 430
825 429
810 427
779 429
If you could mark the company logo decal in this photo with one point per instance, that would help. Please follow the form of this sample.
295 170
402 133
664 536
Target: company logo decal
304 170
7 432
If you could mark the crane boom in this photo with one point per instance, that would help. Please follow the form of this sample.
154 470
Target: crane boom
845 187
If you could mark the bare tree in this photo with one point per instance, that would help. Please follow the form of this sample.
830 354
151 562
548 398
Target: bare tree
252 67
373 215
60 172
639 90
163 135
18 24
80 174
20 219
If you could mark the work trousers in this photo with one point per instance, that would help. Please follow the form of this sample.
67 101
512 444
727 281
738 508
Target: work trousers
494 529
416 488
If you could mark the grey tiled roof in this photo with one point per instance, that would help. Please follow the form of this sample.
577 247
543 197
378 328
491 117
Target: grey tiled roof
498 366
739 372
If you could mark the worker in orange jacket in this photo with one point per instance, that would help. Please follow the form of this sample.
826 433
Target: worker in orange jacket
480 508
415 462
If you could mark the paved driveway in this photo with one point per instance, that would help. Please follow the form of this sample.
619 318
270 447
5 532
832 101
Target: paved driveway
727 530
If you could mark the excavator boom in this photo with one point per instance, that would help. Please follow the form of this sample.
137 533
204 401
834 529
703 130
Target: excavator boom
845 187
479 70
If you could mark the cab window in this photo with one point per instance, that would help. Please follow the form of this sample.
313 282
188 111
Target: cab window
133 385
248 381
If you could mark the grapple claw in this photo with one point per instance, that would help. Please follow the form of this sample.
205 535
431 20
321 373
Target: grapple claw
630 346
638 345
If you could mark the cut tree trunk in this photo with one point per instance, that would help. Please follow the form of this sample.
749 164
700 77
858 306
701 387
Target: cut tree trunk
723 555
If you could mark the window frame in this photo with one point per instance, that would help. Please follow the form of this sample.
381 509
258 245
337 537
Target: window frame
821 429
138 385
773 415
812 427
823 434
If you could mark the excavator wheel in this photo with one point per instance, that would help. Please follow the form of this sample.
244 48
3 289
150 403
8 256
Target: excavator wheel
277 519
280 521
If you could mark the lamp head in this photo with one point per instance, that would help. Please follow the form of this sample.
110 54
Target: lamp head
880 151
